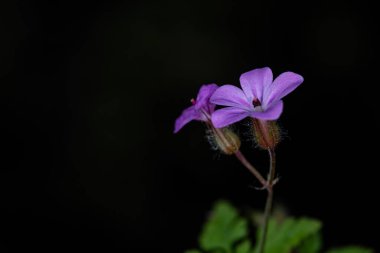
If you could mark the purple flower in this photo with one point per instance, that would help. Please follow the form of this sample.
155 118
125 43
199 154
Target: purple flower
259 98
201 108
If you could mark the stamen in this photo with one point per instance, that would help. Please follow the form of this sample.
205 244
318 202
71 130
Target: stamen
193 101
256 102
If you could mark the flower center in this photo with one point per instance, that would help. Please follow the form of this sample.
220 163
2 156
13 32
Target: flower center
256 102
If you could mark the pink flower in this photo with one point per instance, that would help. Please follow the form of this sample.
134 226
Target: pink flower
259 98
201 109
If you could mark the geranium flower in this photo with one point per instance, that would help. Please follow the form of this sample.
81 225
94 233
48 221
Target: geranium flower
201 109
259 98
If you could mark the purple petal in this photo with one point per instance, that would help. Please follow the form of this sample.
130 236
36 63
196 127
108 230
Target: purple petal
187 115
282 86
227 116
272 113
204 94
255 81
230 95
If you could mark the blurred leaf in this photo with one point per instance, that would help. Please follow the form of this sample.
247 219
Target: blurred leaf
312 244
243 247
286 236
223 228
226 232
350 249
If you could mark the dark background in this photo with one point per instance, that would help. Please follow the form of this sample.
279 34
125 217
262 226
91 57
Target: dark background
89 95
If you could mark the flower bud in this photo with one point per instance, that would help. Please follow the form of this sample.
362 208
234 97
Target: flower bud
267 133
226 140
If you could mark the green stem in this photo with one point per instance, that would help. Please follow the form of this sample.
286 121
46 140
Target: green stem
269 201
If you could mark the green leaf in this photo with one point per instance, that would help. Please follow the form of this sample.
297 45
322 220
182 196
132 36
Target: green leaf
350 249
193 251
312 244
285 237
243 247
223 228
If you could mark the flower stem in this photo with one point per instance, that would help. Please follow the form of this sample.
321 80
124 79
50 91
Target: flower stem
269 201
250 167
241 157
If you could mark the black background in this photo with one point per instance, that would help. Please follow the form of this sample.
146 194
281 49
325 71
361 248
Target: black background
90 92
